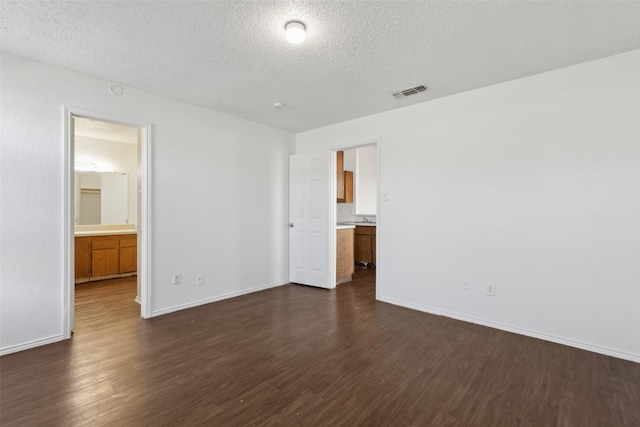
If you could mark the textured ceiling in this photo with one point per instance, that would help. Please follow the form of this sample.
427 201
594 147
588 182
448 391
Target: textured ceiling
231 56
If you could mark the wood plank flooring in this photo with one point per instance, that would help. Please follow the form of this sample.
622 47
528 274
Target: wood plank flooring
301 356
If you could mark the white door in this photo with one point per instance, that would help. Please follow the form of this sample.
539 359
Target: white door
310 219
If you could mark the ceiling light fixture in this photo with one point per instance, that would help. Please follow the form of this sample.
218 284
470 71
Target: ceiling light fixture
295 32
116 90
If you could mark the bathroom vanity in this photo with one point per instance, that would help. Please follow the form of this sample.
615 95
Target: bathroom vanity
103 255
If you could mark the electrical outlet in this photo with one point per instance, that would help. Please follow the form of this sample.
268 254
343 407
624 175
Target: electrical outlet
177 278
200 279
465 283
491 289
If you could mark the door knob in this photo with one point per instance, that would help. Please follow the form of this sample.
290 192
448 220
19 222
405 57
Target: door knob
290 225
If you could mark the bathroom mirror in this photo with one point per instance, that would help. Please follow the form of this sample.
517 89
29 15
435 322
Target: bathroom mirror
101 198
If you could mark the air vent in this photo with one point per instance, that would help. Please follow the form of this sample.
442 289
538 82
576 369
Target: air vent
411 91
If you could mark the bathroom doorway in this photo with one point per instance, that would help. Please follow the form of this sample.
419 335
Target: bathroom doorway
107 215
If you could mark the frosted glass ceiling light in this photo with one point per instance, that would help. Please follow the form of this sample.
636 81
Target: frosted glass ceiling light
295 32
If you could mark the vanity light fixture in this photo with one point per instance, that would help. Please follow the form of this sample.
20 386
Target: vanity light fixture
295 32
85 167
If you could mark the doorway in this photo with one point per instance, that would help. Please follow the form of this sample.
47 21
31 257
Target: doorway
362 164
107 200
313 229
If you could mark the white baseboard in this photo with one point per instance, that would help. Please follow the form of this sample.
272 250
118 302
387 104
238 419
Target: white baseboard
168 310
138 299
521 331
31 344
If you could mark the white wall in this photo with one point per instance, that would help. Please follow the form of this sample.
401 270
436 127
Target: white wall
114 156
366 180
349 159
533 185
219 198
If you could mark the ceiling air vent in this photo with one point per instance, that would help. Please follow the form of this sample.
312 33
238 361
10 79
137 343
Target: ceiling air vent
411 91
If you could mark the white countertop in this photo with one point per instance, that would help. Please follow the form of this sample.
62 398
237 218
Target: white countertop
103 232
344 226
365 224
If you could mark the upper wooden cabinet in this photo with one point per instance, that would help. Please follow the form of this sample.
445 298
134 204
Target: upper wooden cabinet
348 187
340 176
344 180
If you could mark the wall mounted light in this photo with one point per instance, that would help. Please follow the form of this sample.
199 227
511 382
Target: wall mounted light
295 32
94 167
85 167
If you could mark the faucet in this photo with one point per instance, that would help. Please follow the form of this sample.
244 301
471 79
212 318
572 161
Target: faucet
365 219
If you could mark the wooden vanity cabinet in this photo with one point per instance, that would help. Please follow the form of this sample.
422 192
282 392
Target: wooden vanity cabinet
373 245
82 258
365 244
128 254
105 257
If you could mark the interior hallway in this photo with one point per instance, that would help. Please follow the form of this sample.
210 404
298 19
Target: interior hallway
296 355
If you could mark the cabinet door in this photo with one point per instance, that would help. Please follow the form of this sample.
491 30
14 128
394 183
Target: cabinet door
373 246
344 255
340 176
348 187
128 259
104 262
362 248
128 253
128 241
82 258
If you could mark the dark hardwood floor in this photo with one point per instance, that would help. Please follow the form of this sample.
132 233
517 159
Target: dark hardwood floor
301 356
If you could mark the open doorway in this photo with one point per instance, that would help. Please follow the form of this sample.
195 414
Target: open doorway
105 204
356 213
313 219
107 199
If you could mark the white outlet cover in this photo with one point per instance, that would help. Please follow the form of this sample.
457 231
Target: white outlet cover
491 289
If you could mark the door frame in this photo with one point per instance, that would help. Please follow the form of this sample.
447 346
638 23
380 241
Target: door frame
144 204
334 213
